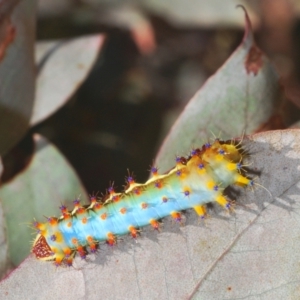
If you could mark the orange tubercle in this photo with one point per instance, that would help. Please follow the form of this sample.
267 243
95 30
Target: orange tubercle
144 205
123 210
111 239
67 251
155 224
176 216
133 231
69 261
74 241
158 184
103 216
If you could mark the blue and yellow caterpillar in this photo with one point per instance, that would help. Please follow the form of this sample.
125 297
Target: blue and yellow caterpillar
193 182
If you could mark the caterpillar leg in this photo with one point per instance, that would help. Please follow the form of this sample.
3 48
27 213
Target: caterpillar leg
155 224
224 202
200 211
59 259
176 216
111 239
134 232
243 181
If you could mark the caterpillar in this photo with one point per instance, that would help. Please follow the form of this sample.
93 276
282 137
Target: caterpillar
195 181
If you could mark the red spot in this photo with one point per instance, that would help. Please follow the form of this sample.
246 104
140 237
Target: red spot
103 216
154 224
144 205
41 249
80 210
69 261
111 240
74 241
158 184
52 221
84 220
66 216
183 160
176 216
67 251
137 191
93 247
254 62
97 206
123 210
143 34
7 35
115 198
81 251
133 231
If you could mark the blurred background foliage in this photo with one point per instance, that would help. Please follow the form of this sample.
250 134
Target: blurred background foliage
156 56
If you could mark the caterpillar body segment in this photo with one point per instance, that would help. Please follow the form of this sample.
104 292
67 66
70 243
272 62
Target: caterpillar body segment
193 182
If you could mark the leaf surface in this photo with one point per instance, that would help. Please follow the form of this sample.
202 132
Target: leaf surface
17 73
239 98
251 254
62 66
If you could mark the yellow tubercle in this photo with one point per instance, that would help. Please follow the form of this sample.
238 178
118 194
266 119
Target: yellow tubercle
211 184
200 210
231 166
242 180
232 152
59 256
59 237
201 171
222 201
219 157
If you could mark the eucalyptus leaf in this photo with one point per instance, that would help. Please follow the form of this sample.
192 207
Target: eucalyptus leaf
62 67
249 254
38 191
17 72
239 98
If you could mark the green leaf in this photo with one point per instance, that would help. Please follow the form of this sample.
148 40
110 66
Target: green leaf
46 183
